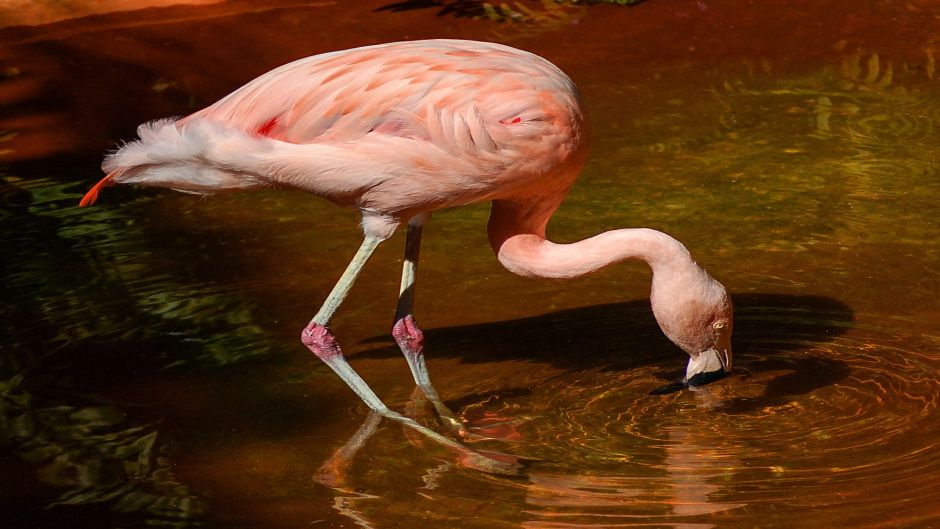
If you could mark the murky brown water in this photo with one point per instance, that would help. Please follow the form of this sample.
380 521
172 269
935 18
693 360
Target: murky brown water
150 372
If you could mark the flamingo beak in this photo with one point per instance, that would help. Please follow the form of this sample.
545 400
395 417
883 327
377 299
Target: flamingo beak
708 366
711 364
723 351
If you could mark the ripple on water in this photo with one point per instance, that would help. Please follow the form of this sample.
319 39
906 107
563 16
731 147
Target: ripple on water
851 422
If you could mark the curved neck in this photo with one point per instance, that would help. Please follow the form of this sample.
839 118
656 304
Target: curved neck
517 235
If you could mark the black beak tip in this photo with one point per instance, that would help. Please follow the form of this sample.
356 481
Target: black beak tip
700 379
696 380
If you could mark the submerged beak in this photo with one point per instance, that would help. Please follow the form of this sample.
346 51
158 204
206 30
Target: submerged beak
92 193
710 365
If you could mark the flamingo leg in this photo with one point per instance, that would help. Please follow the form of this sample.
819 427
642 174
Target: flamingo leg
406 331
320 340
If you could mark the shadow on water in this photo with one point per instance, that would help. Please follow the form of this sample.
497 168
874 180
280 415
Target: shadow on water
774 333
481 8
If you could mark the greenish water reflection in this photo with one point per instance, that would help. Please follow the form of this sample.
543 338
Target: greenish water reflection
70 282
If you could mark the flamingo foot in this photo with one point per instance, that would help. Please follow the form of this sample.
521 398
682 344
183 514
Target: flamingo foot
320 340
495 428
491 462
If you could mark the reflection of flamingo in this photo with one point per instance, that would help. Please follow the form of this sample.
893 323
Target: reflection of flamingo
683 489
400 130
683 498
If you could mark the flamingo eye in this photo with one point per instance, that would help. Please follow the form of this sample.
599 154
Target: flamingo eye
718 325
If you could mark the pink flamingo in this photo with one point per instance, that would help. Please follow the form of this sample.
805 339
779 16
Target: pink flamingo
400 130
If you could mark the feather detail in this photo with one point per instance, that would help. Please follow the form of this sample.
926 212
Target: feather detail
92 195
393 128
195 156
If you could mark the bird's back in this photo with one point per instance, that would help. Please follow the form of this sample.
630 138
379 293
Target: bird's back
344 95
397 128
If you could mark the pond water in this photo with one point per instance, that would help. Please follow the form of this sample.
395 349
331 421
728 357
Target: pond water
151 374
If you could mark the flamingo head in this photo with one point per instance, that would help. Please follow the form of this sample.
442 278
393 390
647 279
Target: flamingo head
697 316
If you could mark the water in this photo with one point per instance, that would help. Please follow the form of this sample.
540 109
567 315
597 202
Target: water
151 374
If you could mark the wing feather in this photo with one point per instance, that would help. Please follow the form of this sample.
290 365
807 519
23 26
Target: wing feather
346 94
441 113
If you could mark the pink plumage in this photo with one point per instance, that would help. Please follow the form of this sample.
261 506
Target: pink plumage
395 129
400 130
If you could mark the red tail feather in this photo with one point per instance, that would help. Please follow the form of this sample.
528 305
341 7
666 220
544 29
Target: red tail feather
92 195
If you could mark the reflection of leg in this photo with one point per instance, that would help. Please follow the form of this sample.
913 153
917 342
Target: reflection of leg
332 473
405 330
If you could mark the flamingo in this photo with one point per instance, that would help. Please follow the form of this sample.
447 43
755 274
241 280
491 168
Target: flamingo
403 129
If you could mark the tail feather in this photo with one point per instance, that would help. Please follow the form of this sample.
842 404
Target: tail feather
200 155
194 155
92 195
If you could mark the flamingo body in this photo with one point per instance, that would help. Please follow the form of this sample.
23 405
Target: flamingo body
400 130
394 129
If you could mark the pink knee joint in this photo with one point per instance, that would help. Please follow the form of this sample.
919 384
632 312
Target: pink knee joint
321 341
408 335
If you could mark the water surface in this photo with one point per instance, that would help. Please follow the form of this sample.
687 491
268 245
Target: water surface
151 374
